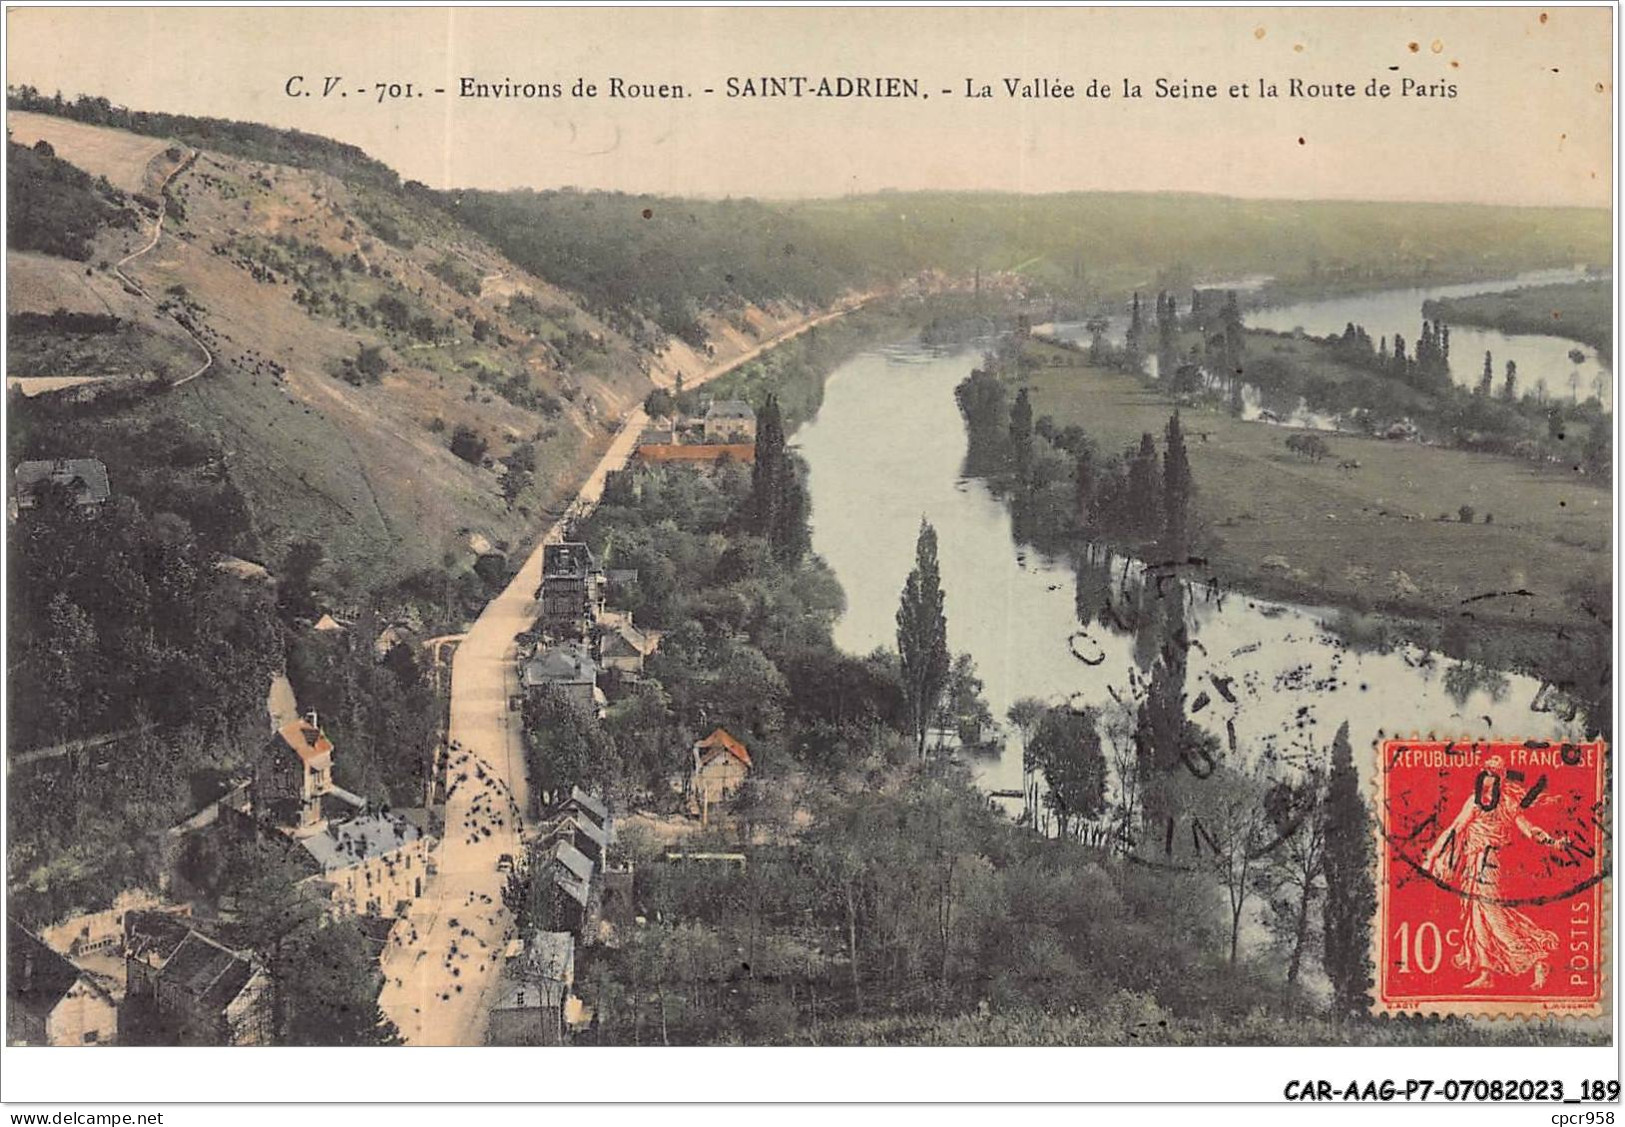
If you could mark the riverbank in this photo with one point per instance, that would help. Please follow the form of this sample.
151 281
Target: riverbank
1275 292
1582 311
1456 549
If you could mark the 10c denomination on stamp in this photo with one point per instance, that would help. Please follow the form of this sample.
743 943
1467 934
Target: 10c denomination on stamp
1491 867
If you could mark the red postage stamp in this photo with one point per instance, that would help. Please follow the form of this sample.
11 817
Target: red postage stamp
1491 895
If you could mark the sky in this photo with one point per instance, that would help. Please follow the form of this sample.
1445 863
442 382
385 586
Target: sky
1531 122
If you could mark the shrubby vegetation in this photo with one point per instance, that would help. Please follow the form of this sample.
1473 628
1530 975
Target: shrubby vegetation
55 208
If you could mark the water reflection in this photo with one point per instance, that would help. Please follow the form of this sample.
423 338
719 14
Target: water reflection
1267 681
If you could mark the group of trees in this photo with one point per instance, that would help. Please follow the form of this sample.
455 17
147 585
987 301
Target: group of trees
55 208
907 900
323 971
131 654
1060 486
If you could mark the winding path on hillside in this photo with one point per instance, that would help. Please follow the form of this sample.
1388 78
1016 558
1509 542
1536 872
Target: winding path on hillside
444 960
157 234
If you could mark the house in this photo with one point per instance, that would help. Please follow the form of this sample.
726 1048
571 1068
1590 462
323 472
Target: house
49 1000
569 668
730 420
85 479
371 865
292 774
580 831
184 988
622 646
721 764
571 591
571 874
581 802
534 1002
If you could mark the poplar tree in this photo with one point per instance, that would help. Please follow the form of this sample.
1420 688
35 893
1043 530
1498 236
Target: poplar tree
777 509
1486 382
1351 896
1144 488
922 636
1021 433
1176 488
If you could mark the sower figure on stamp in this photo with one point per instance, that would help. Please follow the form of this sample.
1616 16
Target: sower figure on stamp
1495 938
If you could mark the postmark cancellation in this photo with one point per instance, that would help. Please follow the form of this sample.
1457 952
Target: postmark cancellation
1492 894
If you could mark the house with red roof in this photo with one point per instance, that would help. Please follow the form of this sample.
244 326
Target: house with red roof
721 764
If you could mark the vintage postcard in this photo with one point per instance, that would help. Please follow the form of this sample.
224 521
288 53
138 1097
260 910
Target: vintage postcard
802 527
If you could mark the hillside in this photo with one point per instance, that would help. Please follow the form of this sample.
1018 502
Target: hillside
348 330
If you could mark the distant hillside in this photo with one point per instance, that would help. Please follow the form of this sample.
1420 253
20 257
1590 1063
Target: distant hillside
1112 241
671 260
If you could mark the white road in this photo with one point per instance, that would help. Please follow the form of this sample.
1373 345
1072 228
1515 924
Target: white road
444 960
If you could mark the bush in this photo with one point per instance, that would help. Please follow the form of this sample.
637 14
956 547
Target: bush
468 445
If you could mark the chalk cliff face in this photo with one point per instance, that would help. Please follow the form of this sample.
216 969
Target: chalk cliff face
336 335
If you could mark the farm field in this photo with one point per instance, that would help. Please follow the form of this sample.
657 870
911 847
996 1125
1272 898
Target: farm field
121 157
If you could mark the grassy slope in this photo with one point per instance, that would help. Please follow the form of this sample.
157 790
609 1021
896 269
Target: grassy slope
1345 534
358 468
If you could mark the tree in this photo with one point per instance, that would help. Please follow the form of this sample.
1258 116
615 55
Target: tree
1230 829
1066 748
1083 486
1176 490
565 745
777 507
1026 714
1298 864
1509 389
962 708
1487 380
1144 488
1350 894
1021 433
294 593
922 636
467 444
329 984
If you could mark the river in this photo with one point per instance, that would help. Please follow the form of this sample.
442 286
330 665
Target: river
887 448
